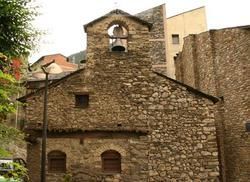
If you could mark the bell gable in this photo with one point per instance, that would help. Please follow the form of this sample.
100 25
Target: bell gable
117 13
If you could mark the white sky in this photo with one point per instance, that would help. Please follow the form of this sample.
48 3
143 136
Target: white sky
63 20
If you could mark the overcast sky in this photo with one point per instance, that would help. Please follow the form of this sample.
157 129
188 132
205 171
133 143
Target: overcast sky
63 20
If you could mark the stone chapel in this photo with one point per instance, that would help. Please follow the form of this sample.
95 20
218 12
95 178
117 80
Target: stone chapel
118 119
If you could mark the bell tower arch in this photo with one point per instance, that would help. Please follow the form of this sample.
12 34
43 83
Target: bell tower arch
118 37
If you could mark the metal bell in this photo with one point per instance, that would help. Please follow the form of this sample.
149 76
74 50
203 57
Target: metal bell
117 44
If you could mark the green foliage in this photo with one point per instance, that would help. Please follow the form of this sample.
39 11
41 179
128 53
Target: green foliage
8 87
11 135
67 177
4 153
16 173
8 135
17 39
17 35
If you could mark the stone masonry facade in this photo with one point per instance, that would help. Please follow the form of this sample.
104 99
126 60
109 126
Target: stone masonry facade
164 130
157 16
217 62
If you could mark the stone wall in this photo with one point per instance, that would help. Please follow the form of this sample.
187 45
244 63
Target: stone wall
84 159
183 139
218 61
180 145
164 130
157 16
34 161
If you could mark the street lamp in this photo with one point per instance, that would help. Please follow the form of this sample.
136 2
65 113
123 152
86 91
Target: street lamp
47 69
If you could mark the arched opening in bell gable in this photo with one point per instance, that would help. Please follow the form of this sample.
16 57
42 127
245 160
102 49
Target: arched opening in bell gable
118 37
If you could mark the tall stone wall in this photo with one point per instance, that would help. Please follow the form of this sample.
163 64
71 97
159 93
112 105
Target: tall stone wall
196 66
182 143
157 16
189 71
222 68
34 161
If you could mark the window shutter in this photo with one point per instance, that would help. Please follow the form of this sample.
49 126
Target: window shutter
57 162
111 161
82 101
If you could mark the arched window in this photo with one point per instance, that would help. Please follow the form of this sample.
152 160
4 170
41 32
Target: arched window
118 36
57 162
111 161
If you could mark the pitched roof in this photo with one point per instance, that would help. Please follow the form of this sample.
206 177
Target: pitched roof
189 88
33 77
54 83
118 11
59 59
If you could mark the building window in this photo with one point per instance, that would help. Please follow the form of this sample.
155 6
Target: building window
175 39
82 100
57 162
248 126
111 161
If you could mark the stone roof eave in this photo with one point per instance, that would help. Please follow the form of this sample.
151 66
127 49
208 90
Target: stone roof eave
189 88
54 83
118 11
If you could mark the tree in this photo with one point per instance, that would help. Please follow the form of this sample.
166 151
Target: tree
17 35
17 39
9 135
8 87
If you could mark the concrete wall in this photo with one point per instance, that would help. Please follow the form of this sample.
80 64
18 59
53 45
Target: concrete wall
217 62
190 22
163 130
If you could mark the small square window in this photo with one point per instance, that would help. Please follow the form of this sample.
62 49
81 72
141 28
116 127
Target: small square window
175 39
248 126
82 101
